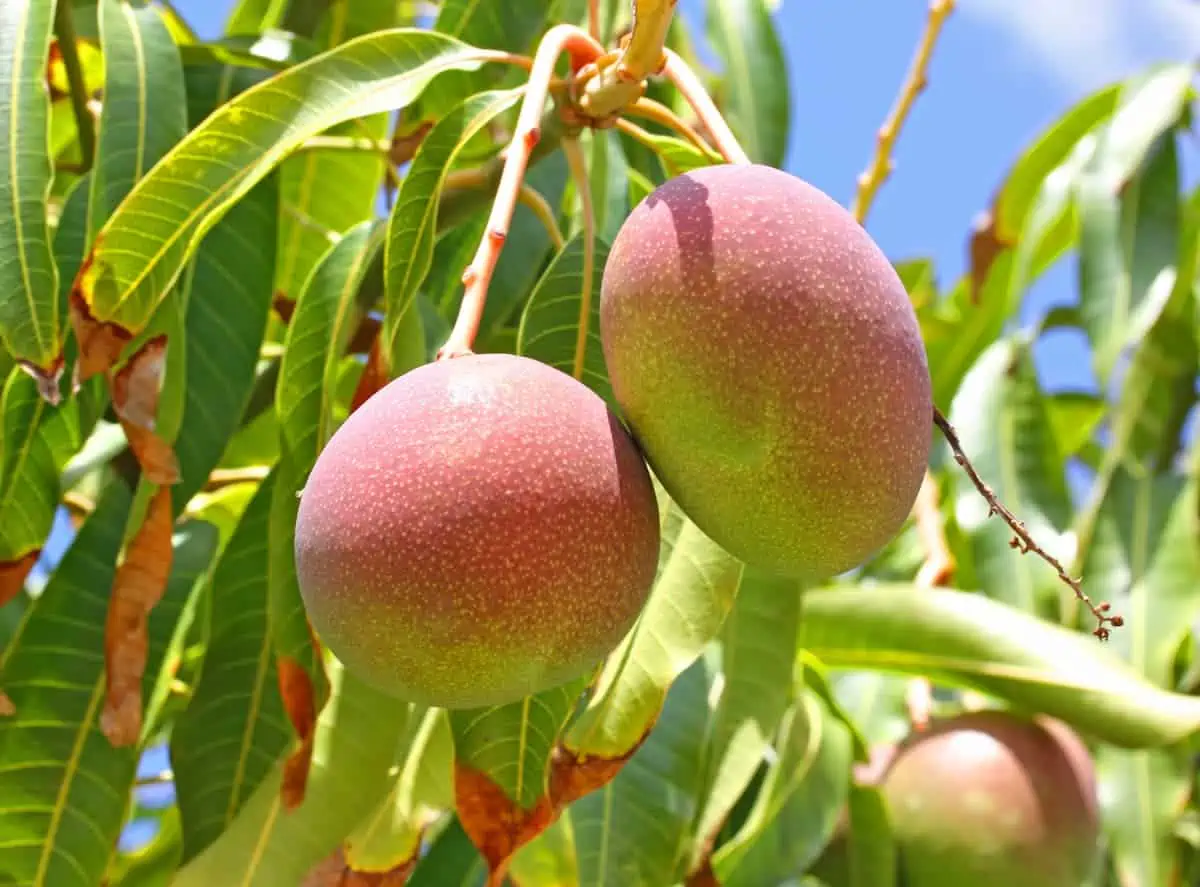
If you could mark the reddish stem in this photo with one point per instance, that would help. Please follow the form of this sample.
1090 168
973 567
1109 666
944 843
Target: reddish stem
479 273
680 73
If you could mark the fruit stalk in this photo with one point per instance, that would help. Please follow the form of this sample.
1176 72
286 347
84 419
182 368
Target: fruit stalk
64 32
559 39
620 82
914 84
685 80
579 174
656 112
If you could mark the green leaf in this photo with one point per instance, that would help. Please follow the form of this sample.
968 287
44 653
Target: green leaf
391 836
694 591
36 442
255 16
1074 417
30 315
758 651
549 860
412 225
1129 221
326 191
1143 557
796 810
65 786
551 321
678 156
511 744
1025 178
512 27
234 727
873 852
144 245
1142 794
969 640
633 831
266 846
140 122
61 795
1158 389
452 861
608 178
228 288
1004 426
758 104
325 318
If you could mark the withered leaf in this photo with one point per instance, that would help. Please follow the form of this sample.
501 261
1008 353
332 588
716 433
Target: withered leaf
48 379
13 574
100 342
135 390
138 586
496 825
986 244
572 777
300 702
7 709
374 376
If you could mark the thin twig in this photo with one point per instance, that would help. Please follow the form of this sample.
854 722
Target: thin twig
579 175
679 73
464 179
648 109
64 30
594 19
914 83
1022 541
161 778
635 132
477 277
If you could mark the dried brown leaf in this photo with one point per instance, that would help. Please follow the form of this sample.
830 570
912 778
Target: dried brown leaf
572 777
135 392
374 377
703 877
328 872
300 703
404 145
7 709
100 342
986 244
13 574
495 824
137 587
46 378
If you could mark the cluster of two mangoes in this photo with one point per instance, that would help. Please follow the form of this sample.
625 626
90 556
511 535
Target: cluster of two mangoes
485 527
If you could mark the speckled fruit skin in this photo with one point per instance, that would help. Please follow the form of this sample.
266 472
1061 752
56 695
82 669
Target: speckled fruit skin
767 358
992 799
481 529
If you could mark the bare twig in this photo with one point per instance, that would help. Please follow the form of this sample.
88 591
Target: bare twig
679 73
914 83
64 30
648 109
579 174
464 179
594 20
478 275
1022 541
